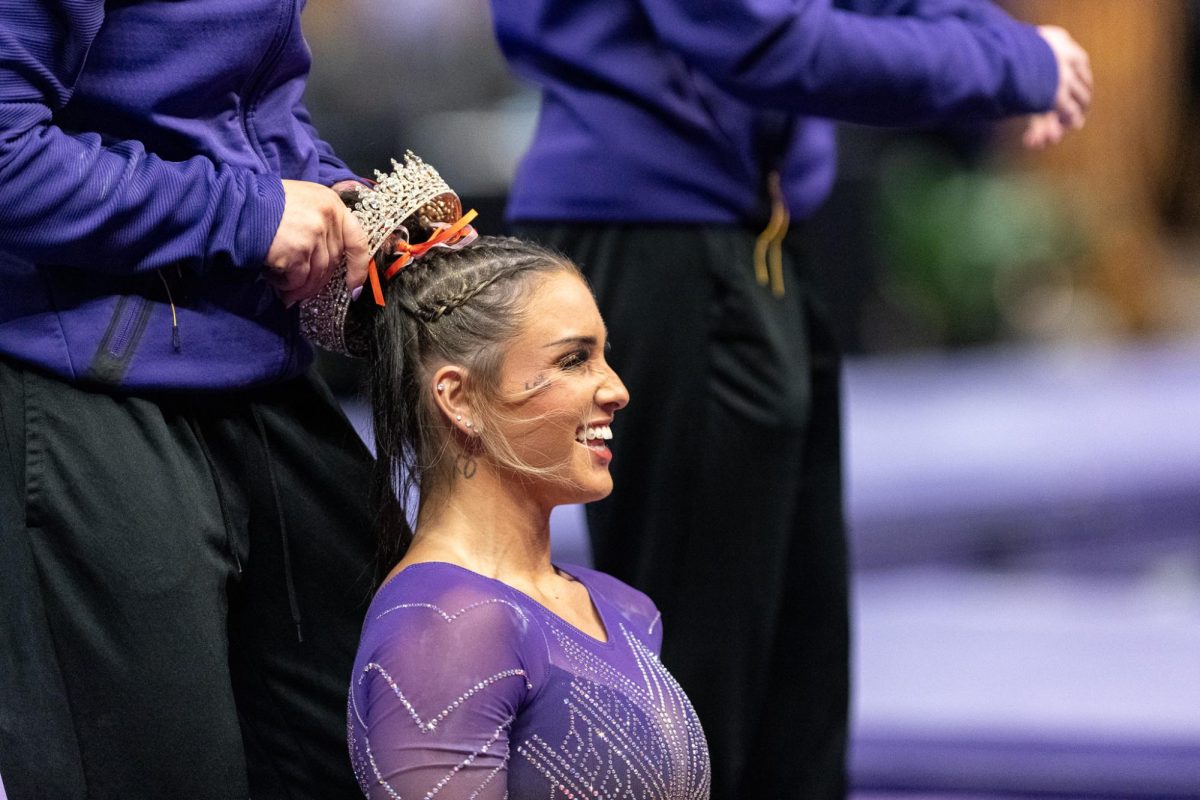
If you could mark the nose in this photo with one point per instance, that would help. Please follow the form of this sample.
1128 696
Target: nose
612 395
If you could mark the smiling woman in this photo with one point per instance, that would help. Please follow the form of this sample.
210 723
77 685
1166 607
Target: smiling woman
485 670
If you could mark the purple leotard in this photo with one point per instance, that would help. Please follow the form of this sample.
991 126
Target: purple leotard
465 687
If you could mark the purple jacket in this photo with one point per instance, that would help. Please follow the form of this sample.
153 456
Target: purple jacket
675 110
141 150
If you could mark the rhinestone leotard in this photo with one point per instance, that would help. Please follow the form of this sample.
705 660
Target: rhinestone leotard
465 688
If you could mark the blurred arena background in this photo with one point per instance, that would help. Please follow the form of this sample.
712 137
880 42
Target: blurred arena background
1023 378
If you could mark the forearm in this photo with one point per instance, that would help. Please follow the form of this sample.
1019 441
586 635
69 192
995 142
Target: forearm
71 198
981 12
68 199
809 57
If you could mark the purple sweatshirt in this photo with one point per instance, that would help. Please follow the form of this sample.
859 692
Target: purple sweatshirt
141 150
675 110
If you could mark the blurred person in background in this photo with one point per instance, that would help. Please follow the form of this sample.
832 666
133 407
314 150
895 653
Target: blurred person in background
184 545
676 142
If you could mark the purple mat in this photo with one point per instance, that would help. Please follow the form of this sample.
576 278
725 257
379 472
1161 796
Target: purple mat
1024 683
1023 454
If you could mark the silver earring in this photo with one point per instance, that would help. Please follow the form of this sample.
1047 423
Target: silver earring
441 387
458 417
468 423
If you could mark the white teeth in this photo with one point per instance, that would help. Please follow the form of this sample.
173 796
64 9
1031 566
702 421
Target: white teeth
595 432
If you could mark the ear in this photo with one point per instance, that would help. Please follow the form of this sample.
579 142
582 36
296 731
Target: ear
450 396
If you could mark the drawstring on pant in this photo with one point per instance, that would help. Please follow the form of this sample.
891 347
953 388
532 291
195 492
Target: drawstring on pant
289 580
768 249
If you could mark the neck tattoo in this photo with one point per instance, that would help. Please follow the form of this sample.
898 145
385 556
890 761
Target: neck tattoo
465 465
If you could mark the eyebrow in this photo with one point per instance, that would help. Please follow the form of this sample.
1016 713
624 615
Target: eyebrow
589 341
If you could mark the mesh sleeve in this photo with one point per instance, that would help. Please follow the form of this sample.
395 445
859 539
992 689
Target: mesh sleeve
436 690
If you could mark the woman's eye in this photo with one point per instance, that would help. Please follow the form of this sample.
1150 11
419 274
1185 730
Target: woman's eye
572 360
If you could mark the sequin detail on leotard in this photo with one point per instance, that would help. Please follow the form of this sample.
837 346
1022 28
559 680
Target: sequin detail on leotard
466 689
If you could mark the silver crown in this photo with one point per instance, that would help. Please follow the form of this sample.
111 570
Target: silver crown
412 188
407 203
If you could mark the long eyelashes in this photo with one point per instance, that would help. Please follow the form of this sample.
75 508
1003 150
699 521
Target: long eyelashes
574 359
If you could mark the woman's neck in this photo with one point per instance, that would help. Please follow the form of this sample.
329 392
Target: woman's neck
487 524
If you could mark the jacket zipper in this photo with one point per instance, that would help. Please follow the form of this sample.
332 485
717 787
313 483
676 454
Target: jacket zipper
258 77
250 97
119 342
122 336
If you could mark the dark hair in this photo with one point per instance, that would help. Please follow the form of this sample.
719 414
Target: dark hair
450 306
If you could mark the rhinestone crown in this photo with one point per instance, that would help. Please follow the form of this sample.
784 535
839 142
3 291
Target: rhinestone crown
409 203
413 187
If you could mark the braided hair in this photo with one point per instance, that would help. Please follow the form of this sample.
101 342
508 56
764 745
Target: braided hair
450 306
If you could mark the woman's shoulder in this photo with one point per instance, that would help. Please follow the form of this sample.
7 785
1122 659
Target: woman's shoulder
634 606
448 590
447 604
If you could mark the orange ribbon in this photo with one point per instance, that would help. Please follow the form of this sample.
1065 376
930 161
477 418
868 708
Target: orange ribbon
373 276
444 237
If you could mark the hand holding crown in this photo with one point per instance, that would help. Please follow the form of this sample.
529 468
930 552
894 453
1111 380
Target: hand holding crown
405 214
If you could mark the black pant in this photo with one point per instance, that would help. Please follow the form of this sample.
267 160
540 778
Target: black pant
727 507
160 560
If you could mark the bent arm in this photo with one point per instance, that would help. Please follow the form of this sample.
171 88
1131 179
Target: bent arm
71 198
943 60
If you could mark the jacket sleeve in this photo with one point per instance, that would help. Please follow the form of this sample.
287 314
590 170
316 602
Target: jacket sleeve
332 168
73 198
881 62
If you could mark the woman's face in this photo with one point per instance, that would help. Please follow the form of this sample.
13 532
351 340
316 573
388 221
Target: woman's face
566 392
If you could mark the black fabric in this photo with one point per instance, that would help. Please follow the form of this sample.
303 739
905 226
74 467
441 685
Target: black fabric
727 507
148 647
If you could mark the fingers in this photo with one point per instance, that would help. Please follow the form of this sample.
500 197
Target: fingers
1076 92
354 250
1070 114
1043 130
1072 104
309 242
316 274
1073 96
1082 96
1083 69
